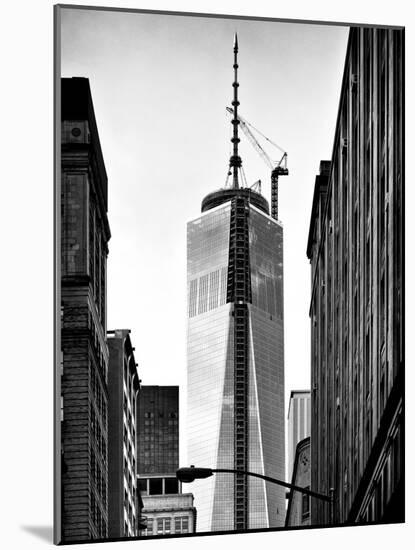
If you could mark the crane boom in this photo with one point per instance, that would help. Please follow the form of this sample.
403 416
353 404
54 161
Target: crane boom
254 142
278 168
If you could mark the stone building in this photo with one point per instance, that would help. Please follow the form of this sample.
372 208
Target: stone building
124 510
355 247
299 423
84 367
298 510
167 510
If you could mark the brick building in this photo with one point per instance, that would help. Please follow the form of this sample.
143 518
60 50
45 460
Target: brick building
84 367
355 246
124 508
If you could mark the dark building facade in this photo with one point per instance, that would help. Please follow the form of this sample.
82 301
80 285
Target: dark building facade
124 385
158 430
355 247
84 368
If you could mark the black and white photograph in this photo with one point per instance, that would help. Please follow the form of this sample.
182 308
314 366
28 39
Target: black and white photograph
229 275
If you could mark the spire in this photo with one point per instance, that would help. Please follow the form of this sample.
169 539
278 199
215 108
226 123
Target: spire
235 161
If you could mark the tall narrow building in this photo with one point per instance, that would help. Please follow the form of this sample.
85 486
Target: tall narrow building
84 236
235 353
123 390
356 251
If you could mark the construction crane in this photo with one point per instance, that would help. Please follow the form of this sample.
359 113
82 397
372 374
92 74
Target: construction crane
278 168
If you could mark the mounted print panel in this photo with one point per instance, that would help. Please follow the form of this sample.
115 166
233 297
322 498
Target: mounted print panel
230 311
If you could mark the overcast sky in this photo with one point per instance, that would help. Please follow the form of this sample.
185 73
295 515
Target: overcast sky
160 85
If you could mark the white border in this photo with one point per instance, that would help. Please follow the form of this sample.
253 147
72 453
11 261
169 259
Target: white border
27 267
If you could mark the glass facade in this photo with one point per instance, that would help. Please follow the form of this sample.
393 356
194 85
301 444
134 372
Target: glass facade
207 355
211 369
266 371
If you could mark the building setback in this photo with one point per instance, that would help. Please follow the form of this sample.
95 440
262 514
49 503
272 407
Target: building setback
123 389
356 249
298 423
84 367
235 354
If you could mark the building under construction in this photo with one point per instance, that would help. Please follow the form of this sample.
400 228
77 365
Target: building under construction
236 352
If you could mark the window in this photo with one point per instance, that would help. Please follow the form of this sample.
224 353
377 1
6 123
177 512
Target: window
156 486
149 530
142 485
163 526
305 505
181 524
171 486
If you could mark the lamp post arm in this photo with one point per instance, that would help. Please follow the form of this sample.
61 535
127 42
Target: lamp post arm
290 486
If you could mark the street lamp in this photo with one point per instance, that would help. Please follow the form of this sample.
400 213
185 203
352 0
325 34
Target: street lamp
187 475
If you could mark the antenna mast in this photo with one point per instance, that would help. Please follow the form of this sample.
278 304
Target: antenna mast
235 161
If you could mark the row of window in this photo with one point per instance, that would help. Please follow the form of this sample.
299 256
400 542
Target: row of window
167 525
97 434
98 395
97 517
207 292
172 414
97 257
97 477
99 358
158 486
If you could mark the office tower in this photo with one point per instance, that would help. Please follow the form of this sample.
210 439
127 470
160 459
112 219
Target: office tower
158 430
235 353
356 246
167 510
84 237
298 423
123 393
298 509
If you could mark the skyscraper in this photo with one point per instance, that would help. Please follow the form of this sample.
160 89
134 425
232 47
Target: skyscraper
158 430
298 423
236 353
